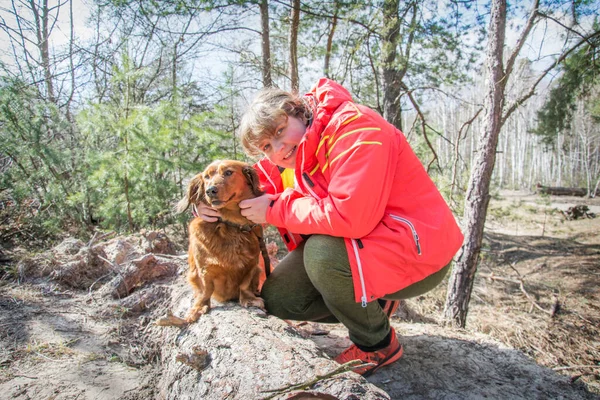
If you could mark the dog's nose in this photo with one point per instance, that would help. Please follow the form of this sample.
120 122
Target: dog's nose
212 191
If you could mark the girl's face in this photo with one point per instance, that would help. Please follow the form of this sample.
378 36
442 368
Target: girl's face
281 149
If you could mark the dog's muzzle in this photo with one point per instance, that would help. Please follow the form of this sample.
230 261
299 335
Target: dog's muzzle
212 192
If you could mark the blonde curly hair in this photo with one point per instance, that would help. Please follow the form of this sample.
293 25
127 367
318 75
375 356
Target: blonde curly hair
266 112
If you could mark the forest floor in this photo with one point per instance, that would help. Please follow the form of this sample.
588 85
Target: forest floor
533 328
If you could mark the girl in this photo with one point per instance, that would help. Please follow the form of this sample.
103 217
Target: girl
368 223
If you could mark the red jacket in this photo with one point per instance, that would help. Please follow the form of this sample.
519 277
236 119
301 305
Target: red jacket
358 178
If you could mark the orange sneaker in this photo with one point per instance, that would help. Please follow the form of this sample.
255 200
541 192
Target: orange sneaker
375 359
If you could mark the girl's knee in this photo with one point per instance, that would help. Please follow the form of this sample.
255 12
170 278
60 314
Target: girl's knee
271 294
282 303
272 290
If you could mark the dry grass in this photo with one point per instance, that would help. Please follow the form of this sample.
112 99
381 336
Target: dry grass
50 351
537 288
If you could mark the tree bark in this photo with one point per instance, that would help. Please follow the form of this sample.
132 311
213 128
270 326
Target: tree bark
329 47
391 76
266 44
478 196
43 39
294 46
239 353
70 116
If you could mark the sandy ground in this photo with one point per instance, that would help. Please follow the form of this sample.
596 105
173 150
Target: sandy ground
61 343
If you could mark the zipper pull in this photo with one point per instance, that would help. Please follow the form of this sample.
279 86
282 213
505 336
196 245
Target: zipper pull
306 177
416 237
364 301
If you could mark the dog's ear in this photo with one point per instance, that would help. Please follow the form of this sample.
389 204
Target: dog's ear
195 194
253 180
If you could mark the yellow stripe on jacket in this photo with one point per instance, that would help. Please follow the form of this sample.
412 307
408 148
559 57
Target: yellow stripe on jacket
355 145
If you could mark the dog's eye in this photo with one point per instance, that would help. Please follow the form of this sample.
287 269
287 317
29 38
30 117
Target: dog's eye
207 177
228 172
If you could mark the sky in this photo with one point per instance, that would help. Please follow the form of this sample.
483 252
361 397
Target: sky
61 32
544 43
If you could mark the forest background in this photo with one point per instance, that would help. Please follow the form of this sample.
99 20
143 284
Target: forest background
105 114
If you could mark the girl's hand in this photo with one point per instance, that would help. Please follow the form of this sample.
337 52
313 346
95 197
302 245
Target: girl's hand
205 212
256 209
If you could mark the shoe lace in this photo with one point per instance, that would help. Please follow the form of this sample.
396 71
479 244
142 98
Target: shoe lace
354 353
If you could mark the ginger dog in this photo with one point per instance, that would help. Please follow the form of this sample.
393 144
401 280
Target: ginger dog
223 255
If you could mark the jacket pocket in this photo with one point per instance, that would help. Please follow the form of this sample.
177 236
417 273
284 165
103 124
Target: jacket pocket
412 229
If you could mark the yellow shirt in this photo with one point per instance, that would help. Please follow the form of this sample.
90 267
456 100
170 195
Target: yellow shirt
287 177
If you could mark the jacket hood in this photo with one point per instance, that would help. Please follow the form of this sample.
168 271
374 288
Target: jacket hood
324 99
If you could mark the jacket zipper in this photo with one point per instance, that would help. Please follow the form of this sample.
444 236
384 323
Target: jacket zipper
307 183
413 230
356 244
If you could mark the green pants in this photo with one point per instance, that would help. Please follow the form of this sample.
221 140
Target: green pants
314 283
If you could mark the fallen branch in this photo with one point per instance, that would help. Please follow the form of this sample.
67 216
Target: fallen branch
521 284
171 320
551 313
575 367
25 376
498 278
92 239
136 273
115 268
563 191
179 257
349 366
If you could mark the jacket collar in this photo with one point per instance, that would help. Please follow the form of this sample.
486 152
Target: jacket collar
323 99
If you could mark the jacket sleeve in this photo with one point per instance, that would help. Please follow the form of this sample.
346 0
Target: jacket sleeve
362 164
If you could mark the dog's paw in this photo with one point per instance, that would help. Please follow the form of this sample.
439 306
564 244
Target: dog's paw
253 302
195 313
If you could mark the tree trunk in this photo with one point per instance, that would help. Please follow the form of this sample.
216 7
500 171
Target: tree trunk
127 155
239 353
43 39
70 116
391 77
565 191
477 198
266 44
294 46
329 47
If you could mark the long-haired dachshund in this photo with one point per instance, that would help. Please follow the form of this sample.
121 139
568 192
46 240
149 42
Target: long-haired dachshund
223 255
